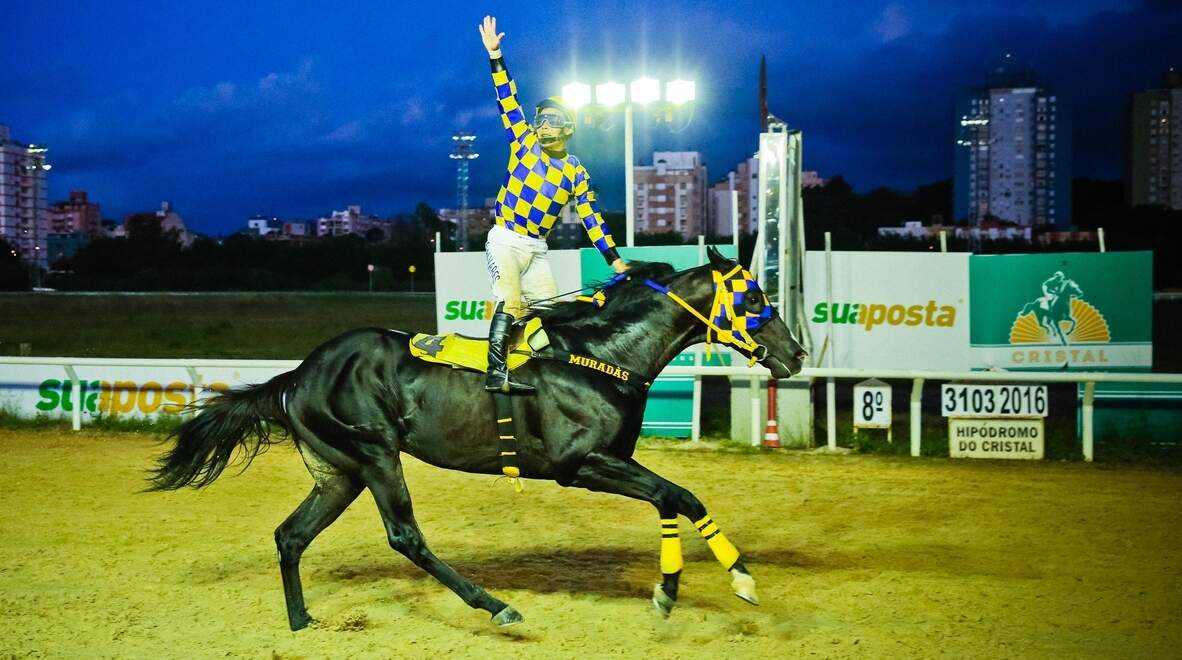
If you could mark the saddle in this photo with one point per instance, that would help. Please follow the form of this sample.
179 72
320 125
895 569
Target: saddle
471 353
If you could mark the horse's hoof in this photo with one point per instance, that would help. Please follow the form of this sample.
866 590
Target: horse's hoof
662 601
507 617
303 620
744 586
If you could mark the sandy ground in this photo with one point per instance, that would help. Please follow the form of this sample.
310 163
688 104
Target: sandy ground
855 557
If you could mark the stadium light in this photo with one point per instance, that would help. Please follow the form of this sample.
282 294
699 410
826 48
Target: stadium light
639 93
576 94
679 92
609 94
645 90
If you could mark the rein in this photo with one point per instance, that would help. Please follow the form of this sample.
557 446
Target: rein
736 282
723 307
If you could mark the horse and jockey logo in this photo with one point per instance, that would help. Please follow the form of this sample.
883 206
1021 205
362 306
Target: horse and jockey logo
1060 315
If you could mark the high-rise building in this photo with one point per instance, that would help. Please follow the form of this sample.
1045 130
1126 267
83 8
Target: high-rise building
76 215
671 194
1154 174
24 218
350 221
478 220
744 179
1013 153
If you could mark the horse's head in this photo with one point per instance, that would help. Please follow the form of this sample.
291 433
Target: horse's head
1071 290
748 321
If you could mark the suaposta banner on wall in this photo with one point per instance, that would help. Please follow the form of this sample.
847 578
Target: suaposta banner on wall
890 310
463 294
114 392
1089 311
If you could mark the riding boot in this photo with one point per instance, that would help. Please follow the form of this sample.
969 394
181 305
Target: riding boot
498 351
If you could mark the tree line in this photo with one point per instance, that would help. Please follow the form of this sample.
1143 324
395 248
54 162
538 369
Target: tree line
151 260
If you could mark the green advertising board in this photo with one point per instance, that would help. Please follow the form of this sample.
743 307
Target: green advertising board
670 401
1132 415
1089 311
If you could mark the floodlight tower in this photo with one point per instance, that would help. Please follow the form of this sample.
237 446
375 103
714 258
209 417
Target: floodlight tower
35 168
462 153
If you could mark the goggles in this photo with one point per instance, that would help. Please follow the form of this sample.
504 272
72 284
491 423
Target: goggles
554 119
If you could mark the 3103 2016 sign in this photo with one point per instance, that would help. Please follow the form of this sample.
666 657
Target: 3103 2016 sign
991 400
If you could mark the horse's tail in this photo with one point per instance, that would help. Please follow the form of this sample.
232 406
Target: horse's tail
206 443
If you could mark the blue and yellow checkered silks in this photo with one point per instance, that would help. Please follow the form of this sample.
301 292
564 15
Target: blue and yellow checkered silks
537 185
730 291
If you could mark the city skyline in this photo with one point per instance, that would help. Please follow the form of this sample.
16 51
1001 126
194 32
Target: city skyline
290 112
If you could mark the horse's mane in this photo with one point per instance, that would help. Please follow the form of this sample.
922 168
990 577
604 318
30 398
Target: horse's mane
620 295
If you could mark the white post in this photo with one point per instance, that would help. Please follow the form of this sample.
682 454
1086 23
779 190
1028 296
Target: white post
438 242
195 383
629 193
755 412
830 386
831 413
735 218
756 267
916 415
76 397
1100 232
943 241
695 421
829 295
1089 447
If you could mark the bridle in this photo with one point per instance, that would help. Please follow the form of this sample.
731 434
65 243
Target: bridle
730 289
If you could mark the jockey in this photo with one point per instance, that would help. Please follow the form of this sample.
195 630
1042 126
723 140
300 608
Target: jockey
541 178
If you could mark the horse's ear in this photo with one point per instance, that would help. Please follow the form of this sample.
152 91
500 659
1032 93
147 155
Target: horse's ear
716 259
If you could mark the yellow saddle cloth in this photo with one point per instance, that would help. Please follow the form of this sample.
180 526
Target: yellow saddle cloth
471 353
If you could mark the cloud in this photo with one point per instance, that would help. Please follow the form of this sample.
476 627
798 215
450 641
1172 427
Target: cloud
368 119
892 23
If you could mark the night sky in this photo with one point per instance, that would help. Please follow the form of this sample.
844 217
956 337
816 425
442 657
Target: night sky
298 108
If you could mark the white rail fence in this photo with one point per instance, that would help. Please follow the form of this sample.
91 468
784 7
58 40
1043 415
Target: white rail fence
756 374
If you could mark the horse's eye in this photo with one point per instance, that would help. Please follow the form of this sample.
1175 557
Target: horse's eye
754 301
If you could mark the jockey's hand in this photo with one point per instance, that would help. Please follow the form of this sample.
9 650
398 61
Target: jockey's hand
488 34
619 266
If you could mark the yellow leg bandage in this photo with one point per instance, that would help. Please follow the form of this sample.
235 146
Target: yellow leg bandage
671 561
724 551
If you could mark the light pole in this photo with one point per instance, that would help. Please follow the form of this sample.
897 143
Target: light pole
34 170
462 153
642 92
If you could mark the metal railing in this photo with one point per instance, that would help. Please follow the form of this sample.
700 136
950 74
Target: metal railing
918 378
756 374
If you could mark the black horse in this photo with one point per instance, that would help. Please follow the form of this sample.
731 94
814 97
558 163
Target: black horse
360 400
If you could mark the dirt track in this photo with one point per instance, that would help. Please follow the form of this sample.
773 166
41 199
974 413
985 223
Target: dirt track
855 557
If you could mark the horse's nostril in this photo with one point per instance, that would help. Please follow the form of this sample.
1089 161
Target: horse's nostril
801 355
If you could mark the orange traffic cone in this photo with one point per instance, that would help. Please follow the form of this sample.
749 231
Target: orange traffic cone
771 435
